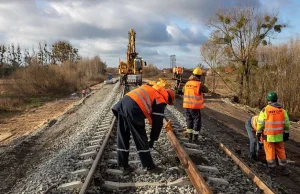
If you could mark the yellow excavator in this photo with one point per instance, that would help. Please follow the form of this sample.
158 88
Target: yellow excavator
131 71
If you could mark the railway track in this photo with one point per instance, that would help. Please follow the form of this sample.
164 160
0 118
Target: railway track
97 171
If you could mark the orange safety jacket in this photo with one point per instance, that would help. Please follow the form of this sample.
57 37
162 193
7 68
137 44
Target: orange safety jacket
145 95
274 123
191 98
254 122
179 70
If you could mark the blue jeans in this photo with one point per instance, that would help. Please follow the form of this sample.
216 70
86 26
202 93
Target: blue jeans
252 137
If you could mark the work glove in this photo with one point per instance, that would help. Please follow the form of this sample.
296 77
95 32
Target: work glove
151 143
258 135
286 136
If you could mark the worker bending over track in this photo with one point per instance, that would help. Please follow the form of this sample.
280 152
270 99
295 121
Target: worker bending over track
273 125
149 102
255 145
193 102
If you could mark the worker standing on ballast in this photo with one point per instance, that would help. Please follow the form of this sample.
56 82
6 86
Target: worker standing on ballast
273 125
147 101
193 102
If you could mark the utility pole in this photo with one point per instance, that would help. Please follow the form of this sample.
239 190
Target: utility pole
172 61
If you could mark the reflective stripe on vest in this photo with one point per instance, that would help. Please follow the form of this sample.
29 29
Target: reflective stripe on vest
254 122
191 98
274 123
148 108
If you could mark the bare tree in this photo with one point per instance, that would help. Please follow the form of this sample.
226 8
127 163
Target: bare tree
212 55
242 30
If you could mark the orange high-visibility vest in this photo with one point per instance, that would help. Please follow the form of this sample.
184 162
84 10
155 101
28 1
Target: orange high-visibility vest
179 70
145 95
191 98
254 122
274 123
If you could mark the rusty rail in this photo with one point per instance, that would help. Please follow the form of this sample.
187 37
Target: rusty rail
189 167
248 172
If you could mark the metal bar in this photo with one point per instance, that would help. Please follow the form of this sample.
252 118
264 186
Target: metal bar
249 173
96 161
90 175
189 167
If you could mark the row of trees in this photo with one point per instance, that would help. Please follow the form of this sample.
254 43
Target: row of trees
55 71
61 51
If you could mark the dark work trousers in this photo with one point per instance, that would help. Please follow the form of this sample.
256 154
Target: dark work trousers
193 119
138 131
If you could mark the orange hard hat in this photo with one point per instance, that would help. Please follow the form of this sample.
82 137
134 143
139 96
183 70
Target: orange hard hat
171 98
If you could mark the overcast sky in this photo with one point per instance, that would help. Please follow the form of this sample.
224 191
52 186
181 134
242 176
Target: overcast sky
100 27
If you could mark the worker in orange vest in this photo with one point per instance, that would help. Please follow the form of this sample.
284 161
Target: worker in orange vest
251 127
147 101
273 125
83 93
193 102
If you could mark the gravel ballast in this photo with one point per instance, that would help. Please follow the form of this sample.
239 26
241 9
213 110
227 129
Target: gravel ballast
63 154
213 156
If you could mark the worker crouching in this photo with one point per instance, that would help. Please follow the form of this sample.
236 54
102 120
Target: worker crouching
273 125
193 102
144 102
255 145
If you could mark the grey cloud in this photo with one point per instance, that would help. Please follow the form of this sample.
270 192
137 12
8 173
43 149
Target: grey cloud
91 25
194 10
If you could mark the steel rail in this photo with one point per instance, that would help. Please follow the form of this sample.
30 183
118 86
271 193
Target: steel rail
90 175
247 171
189 167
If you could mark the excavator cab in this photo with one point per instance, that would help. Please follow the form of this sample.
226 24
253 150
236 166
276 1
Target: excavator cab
138 65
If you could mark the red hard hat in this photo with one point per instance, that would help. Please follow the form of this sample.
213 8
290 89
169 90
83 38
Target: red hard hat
171 96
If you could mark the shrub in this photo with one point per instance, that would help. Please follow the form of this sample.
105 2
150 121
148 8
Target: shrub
69 77
151 71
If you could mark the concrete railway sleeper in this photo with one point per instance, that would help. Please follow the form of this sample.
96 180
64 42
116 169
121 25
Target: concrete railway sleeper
240 178
86 161
99 170
110 179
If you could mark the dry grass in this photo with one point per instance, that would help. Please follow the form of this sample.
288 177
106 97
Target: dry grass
36 83
151 71
278 70
58 79
11 105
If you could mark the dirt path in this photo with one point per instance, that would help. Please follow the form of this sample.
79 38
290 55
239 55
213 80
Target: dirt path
29 121
226 123
20 158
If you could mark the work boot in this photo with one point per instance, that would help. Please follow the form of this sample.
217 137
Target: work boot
128 170
190 137
154 169
196 140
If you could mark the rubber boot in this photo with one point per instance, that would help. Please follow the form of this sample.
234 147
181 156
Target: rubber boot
190 137
196 136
